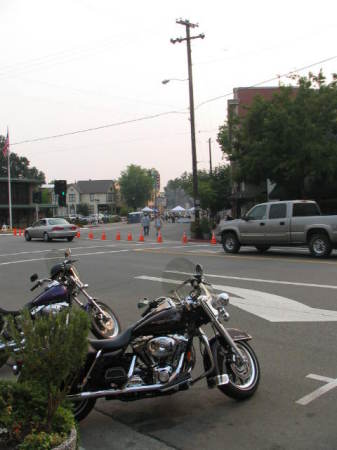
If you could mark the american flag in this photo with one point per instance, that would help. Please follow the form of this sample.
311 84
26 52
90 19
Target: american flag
5 149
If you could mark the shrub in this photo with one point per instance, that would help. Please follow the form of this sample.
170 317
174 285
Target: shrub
34 410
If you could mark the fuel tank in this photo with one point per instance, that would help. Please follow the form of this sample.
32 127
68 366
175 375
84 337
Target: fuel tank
55 293
165 318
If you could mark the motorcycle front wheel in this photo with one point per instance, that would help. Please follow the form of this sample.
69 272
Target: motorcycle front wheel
243 377
104 326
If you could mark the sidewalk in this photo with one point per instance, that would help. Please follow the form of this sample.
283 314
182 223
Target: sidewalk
100 432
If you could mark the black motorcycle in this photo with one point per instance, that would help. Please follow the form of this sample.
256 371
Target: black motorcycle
62 289
156 355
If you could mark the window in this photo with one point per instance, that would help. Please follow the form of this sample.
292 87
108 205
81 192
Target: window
92 197
278 211
258 212
109 197
72 198
305 209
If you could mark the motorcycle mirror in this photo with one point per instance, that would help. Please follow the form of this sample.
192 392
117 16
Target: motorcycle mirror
199 270
34 277
142 303
67 253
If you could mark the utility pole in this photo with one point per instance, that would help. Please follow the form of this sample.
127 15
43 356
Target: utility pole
210 155
188 25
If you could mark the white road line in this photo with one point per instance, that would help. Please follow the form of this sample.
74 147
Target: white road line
262 280
53 249
271 307
331 383
58 258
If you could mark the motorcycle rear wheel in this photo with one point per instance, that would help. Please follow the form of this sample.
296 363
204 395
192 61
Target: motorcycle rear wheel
102 328
243 378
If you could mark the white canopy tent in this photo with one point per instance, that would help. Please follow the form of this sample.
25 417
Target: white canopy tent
178 209
147 209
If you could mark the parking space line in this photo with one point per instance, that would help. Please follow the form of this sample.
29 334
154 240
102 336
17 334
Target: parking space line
331 383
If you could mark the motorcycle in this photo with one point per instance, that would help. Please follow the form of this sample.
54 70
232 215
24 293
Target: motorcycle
62 289
156 355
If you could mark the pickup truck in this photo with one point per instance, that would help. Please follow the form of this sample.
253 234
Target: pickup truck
284 223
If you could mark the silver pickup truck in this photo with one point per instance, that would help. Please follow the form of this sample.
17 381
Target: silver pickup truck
286 223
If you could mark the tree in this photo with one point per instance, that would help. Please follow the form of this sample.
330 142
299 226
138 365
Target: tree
19 166
291 139
214 189
136 185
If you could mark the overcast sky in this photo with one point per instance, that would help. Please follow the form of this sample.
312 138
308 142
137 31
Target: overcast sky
68 65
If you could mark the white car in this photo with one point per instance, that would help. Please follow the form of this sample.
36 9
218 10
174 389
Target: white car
51 228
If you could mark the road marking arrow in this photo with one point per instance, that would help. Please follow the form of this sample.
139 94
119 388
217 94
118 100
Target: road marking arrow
271 307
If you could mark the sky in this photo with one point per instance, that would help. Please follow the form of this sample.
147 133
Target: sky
71 65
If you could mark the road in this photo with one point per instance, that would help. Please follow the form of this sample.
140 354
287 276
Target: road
285 299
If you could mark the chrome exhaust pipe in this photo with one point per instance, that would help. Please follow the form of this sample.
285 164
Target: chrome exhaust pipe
116 392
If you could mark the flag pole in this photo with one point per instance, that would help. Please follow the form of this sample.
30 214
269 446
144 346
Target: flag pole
9 185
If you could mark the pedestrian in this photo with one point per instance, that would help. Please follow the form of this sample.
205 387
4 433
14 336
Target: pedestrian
158 224
146 224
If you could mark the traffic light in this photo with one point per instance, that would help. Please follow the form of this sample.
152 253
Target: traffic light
37 197
60 189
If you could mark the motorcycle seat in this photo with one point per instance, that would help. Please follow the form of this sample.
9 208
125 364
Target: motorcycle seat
12 313
113 344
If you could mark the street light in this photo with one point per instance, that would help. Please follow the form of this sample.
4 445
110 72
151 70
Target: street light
174 79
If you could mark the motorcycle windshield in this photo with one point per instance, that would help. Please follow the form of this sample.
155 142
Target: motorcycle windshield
175 278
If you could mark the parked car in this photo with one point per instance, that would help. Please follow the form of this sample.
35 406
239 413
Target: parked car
51 228
286 223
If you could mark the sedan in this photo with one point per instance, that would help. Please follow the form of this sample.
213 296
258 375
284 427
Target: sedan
53 228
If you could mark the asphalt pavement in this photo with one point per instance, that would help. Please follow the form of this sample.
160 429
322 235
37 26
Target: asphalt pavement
285 299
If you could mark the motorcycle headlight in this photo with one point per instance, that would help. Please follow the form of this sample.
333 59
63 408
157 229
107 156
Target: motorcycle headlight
220 301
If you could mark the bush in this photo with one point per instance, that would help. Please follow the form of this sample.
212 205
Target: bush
34 410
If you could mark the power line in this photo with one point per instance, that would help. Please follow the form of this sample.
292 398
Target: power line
269 80
86 130
166 113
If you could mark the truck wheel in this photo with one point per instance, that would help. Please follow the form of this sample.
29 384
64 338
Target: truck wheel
230 243
262 248
320 245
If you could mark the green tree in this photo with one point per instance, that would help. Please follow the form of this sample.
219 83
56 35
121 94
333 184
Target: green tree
136 185
291 139
214 189
19 166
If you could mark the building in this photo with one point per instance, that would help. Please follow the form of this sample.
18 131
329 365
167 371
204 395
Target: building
245 195
24 211
99 195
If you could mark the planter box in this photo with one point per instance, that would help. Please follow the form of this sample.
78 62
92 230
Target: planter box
68 444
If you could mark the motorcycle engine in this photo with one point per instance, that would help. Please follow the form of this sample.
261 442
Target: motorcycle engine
162 354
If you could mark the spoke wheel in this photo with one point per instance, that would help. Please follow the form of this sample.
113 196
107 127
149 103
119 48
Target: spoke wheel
243 376
104 326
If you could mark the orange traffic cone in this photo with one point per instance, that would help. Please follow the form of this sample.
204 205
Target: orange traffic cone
14 232
91 235
78 234
159 238
118 236
103 238
130 237
213 240
141 237
184 240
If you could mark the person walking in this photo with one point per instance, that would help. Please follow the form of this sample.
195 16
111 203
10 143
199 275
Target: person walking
146 224
158 224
